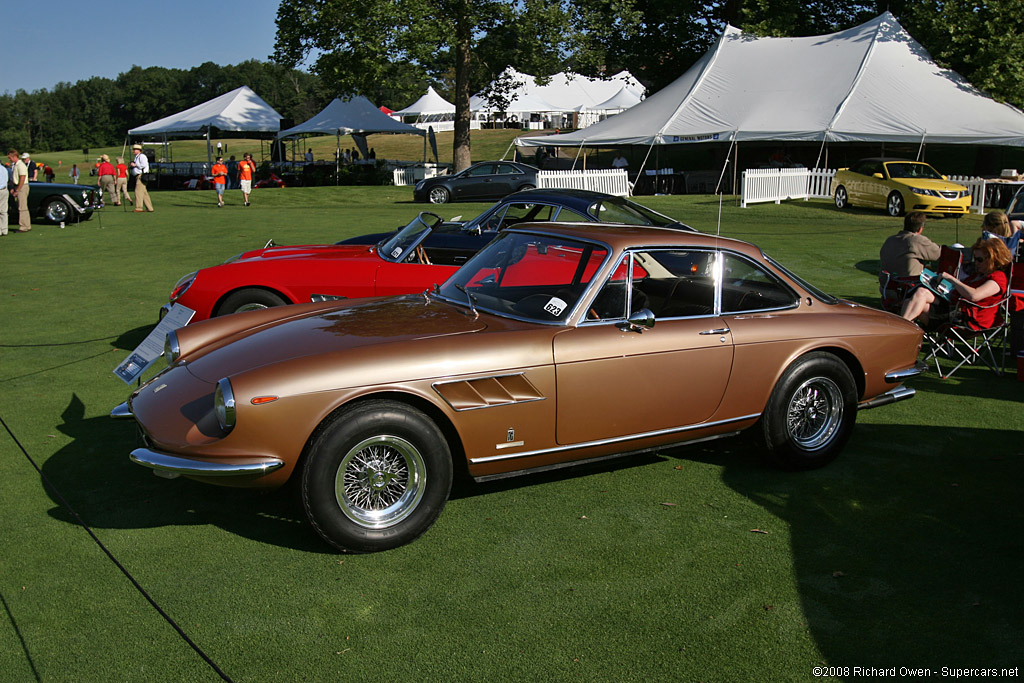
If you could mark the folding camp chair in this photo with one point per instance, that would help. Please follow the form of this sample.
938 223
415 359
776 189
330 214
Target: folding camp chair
955 344
894 289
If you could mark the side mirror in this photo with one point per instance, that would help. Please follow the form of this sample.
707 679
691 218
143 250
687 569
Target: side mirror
877 175
639 321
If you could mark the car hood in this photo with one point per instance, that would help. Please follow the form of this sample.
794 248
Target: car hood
60 187
929 184
353 329
300 251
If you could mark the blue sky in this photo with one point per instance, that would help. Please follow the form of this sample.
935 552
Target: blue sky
50 41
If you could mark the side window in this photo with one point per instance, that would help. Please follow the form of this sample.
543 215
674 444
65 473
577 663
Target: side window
746 286
569 216
620 293
521 213
506 169
486 169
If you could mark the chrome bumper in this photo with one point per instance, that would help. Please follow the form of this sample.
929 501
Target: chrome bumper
891 396
172 466
897 376
122 412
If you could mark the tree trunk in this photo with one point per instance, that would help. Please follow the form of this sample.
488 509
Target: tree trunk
460 145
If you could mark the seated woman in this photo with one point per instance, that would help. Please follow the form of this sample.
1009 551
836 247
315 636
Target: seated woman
985 287
998 224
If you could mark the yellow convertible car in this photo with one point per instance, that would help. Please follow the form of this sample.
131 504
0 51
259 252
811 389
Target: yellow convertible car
898 186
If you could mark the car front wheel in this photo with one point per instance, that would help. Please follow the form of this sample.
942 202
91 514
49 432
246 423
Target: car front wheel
895 204
251 299
377 476
842 199
811 413
57 210
439 195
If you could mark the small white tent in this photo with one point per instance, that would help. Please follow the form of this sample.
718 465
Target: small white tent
355 116
872 82
240 110
431 104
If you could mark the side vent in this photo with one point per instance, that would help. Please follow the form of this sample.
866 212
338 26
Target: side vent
487 392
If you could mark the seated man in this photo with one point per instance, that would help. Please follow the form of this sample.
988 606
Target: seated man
905 253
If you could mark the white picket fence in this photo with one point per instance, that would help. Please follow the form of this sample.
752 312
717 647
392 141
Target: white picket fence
778 184
609 181
410 175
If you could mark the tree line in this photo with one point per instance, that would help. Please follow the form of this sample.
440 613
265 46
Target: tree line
98 112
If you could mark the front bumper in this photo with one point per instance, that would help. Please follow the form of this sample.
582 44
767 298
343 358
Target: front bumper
171 466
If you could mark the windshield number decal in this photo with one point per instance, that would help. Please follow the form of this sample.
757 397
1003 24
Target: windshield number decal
555 306
396 252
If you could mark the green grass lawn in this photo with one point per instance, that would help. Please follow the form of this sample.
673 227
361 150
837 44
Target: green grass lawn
694 564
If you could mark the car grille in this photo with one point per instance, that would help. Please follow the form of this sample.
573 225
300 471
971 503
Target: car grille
950 195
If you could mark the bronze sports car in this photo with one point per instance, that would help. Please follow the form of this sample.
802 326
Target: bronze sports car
554 344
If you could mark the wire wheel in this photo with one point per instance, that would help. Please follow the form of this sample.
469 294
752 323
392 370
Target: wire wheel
380 481
815 413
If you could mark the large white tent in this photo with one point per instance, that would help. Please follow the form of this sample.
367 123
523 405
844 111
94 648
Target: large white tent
355 116
240 110
870 83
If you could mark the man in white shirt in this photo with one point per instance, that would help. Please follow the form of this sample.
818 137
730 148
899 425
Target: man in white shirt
19 176
3 200
620 161
140 165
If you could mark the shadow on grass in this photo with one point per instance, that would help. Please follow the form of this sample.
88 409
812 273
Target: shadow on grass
93 473
906 549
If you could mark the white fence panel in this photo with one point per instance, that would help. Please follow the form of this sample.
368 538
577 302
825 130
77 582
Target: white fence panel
410 175
976 186
777 184
609 181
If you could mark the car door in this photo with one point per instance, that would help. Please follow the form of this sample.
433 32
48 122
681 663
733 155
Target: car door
474 183
507 179
614 381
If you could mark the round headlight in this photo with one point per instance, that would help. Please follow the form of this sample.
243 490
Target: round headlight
224 404
172 351
182 285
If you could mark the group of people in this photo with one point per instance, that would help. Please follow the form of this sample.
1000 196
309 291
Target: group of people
907 253
246 172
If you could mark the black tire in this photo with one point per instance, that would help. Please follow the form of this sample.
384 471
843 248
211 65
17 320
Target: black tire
376 476
811 413
56 210
252 299
894 204
524 188
842 199
439 195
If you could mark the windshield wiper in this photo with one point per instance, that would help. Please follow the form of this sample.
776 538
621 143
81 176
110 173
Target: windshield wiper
470 298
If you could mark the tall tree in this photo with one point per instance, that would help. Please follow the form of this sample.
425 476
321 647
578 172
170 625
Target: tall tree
356 45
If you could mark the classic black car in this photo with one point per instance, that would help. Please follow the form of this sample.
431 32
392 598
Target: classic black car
59 202
482 181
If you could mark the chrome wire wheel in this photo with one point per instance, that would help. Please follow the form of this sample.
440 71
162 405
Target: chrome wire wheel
380 481
815 413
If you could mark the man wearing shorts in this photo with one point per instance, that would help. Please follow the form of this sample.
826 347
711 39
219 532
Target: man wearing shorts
246 169
220 179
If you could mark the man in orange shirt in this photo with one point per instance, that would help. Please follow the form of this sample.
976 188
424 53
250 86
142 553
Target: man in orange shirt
220 179
246 170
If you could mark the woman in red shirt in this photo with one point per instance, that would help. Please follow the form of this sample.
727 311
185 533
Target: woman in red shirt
121 183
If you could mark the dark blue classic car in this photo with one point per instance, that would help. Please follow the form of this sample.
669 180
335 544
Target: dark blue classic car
534 206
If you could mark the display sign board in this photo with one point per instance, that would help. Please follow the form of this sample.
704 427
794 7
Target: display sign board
152 347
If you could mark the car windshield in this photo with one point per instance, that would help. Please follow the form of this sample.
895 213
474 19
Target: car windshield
528 276
912 170
624 211
1016 208
401 245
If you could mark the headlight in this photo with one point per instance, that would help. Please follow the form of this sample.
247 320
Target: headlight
172 351
238 256
419 185
224 404
182 285
924 193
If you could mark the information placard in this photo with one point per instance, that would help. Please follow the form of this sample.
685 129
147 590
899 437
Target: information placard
152 347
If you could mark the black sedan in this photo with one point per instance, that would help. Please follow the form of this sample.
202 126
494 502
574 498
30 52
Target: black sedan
482 181
59 202
534 206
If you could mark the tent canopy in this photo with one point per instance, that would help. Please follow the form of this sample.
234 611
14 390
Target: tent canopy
355 116
430 104
870 83
563 92
623 99
239 110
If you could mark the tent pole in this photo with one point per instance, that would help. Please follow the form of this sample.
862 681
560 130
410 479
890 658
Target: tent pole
824 139
725 166
920 148
502 156
735 165
643 164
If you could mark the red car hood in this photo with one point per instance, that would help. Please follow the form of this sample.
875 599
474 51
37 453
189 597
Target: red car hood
339 329
299 251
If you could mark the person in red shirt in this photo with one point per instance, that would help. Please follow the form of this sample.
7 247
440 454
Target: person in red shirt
220 179
105 170
121 182
246 171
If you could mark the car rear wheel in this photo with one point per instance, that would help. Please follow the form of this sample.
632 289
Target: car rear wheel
811 413
376 477
56 210
842 199
895 204
524 188
251 299
439 195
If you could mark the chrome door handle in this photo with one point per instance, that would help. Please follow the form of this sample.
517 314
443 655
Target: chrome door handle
723 330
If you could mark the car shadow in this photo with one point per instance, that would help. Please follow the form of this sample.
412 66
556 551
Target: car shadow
107 491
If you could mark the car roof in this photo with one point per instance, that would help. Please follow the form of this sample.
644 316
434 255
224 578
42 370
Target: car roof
620 237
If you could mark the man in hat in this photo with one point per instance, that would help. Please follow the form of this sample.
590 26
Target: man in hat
33 170
140 165
106 171
19 176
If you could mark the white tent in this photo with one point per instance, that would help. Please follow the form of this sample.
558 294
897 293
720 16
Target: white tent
237 111
563 92
355 116
623 99
431 104
869 83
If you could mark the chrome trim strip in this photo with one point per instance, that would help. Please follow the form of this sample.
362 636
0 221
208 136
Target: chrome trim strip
122 412
617 439
897 376
175 464
73 203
